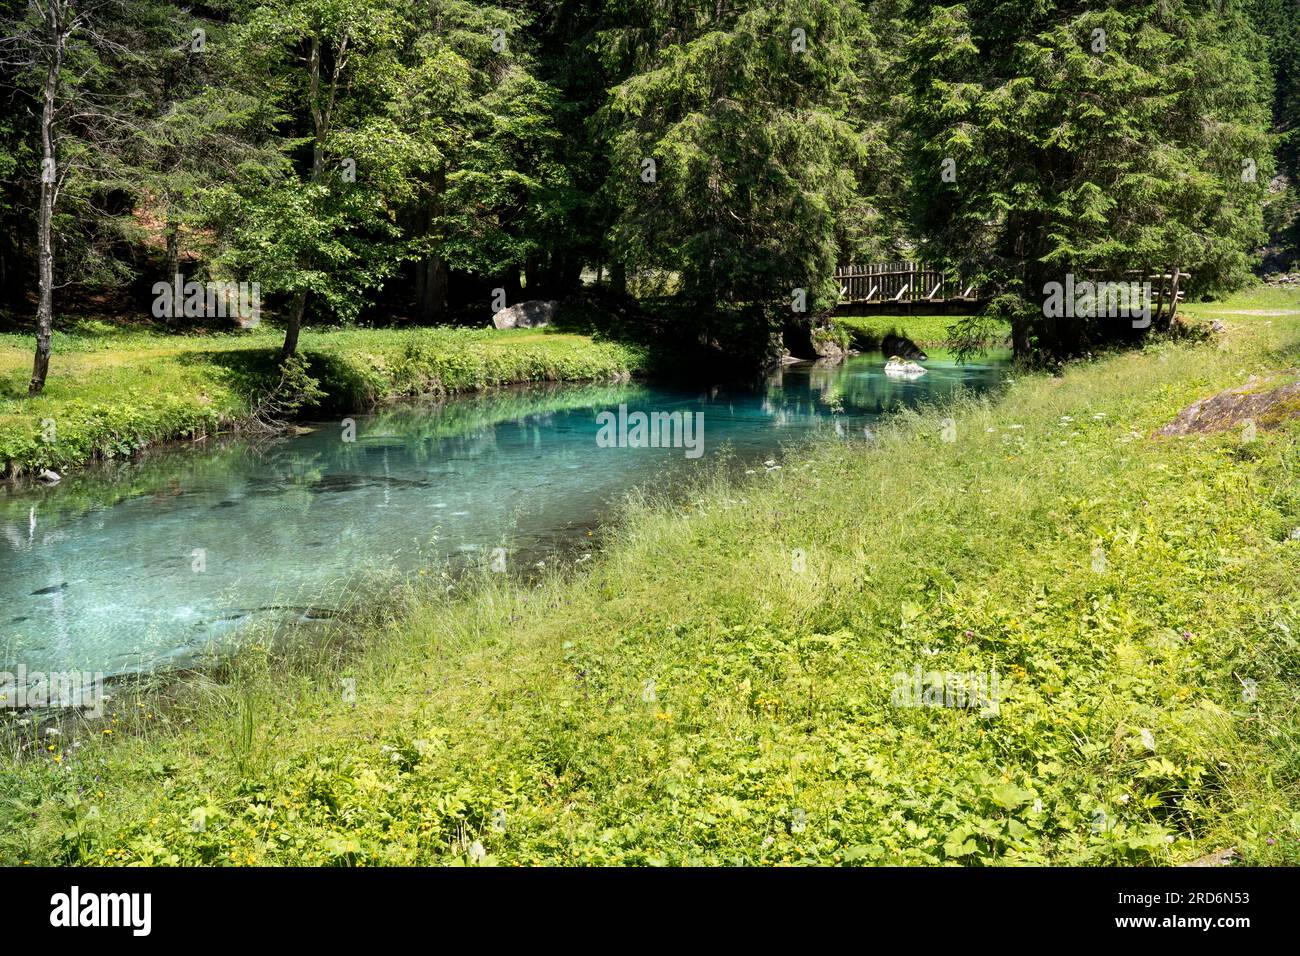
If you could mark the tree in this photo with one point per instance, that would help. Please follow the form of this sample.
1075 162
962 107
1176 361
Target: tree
1085 140
77 61
1279 21
317 225
748 153
197 127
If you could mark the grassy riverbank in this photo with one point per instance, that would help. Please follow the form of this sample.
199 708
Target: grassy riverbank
716 686
927 331
112 392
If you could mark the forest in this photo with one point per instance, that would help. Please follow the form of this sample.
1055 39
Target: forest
701 162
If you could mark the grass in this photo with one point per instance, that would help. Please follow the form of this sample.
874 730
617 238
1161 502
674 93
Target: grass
927 331
111 392
716 687
1260 297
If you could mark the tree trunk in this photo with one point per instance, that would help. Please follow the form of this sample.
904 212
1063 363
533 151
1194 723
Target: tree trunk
431 298
293 326
534 281
431 273
564 277
49 192
320 125
173 234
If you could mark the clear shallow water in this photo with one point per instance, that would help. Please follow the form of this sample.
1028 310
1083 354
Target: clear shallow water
164 562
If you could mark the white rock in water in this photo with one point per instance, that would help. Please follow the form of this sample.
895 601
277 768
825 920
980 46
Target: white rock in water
898 366
526 315
49 477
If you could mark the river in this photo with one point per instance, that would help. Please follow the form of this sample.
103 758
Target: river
136 566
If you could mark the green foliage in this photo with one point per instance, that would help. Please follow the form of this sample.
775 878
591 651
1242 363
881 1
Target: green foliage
355 157
766 165
1081 138
927 331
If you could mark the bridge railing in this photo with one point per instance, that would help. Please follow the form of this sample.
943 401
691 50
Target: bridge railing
913 282
901 281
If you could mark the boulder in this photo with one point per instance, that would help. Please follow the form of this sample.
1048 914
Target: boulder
526 315
828 349
1222 857
1266 403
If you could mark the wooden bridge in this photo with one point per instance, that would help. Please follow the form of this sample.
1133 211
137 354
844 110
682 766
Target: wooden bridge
902 284
908 286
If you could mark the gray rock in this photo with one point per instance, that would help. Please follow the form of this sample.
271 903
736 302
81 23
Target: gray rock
1222 857
1265 403
526 315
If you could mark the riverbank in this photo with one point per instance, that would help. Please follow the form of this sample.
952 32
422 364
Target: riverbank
113 392
721 684
926 331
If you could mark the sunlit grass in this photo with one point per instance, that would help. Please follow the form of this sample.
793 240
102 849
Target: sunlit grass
927 331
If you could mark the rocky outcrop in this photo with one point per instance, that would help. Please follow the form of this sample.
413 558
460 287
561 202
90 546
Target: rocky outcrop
828 348
532 314
1266 404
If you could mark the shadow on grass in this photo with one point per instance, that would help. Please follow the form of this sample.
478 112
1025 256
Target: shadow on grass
254 372
13 385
